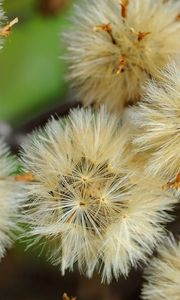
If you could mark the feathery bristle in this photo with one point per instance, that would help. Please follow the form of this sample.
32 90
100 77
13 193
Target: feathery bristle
84 203
163 275
11 198
113 48
156 125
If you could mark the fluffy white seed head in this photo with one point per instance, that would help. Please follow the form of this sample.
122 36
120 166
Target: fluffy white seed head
157 124
163 274
115 46
84 203
10 199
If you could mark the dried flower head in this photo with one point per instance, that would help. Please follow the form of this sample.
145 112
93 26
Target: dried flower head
10 199
163 274
157 126
114 46
84 203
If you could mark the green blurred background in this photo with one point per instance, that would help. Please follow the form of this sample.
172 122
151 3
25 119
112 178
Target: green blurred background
32 76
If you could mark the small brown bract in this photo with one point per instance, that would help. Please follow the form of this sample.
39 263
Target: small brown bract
6 30
66 297
124 8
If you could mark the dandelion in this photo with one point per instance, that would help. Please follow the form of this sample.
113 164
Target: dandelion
163 274
10 199
157 126
115 46
84 203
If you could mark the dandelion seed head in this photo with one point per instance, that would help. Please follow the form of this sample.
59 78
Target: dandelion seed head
83 192
113 48
163 275
10 199
156 121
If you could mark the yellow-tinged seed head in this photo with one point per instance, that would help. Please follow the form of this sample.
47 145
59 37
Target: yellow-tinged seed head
163 274
101 36
156 125
85 203
11 199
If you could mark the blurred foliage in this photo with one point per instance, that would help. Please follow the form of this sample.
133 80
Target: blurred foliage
32 76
